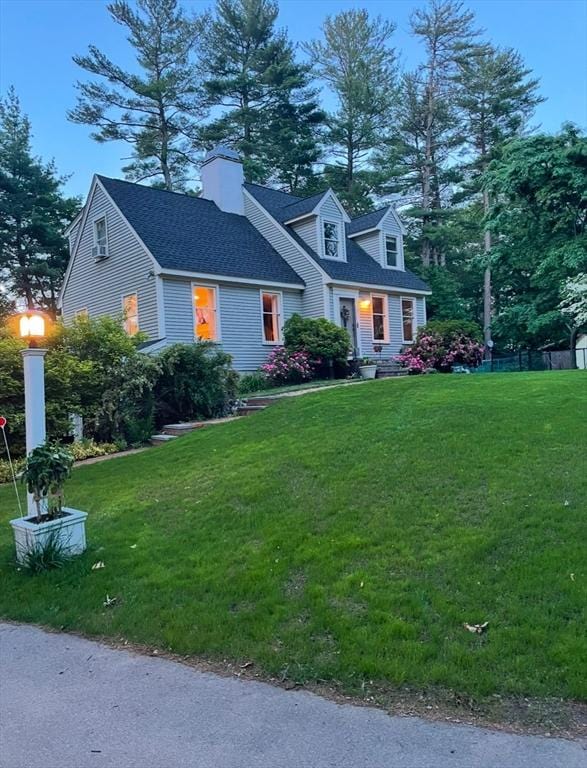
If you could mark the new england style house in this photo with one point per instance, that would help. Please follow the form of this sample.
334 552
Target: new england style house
233 264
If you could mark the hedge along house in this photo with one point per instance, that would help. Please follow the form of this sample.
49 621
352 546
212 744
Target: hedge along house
233 264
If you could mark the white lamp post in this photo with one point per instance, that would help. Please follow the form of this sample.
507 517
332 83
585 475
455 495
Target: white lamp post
32 329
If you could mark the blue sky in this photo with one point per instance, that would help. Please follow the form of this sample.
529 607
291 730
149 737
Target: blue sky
39 37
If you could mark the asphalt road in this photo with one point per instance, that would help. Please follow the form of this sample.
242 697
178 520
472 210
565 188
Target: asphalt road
71 703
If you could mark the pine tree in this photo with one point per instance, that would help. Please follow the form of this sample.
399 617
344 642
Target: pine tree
496 98
428 122
357 63
265 95
416 165
155 111
33 215
290 144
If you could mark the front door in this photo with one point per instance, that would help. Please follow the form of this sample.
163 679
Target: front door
348 321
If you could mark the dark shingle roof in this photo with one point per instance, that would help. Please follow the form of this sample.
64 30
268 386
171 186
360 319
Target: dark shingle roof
359 266
300 207
192 234
366 221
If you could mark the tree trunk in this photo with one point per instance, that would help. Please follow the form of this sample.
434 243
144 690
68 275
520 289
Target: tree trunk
486 279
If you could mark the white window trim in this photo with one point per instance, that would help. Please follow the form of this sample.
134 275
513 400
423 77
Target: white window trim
400 251
280 319
414 318
340 251
123 297
385 339
215 288
95 220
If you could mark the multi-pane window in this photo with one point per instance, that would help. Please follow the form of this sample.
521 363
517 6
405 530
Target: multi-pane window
408 319
100 232
205 320
379 317
331 239
100 249
130 309
391 251
270 303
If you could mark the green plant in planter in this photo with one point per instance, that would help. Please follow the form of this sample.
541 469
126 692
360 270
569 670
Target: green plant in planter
47 468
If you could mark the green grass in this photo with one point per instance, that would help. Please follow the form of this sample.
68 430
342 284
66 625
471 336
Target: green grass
346 536
314 384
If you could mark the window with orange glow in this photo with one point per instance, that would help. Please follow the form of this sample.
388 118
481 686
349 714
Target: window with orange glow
205 325
271 318
408 319
130 309
379 318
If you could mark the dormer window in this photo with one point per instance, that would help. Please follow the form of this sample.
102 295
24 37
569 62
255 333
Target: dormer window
391 251
331 235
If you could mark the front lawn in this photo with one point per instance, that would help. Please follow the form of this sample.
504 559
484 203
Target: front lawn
346 536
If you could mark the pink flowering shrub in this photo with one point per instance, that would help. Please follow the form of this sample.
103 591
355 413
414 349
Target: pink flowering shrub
442 345
286 367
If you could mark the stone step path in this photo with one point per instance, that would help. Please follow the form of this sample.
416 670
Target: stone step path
258 403
171 431
388 368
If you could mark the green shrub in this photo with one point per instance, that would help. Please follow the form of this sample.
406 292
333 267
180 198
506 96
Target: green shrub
323 340
64 380
196 382
88 449
449 329
252 382
5 471
116 382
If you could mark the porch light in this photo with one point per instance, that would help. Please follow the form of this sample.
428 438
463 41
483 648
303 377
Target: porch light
365 303
32 326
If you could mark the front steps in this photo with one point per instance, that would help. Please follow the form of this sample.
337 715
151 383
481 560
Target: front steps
388 368
248 406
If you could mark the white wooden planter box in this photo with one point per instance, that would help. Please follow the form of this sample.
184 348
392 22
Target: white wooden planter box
70 531
368 371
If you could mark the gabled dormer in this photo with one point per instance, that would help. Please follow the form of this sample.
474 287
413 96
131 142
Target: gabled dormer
320 221
380 233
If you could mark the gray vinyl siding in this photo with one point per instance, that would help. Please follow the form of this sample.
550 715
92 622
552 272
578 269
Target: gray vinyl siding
73 236
371 244
239 317
395 343
308 231
100 286
313 296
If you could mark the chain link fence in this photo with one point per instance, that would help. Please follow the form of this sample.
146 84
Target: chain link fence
536 360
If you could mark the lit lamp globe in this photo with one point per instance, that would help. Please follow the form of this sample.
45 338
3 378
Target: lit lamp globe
32 327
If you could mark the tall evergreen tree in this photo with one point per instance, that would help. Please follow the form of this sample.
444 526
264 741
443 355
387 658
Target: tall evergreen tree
154 111
428 130
496 97
417 164
33 215
359 66
269 111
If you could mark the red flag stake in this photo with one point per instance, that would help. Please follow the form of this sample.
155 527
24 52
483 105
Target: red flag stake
2 427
